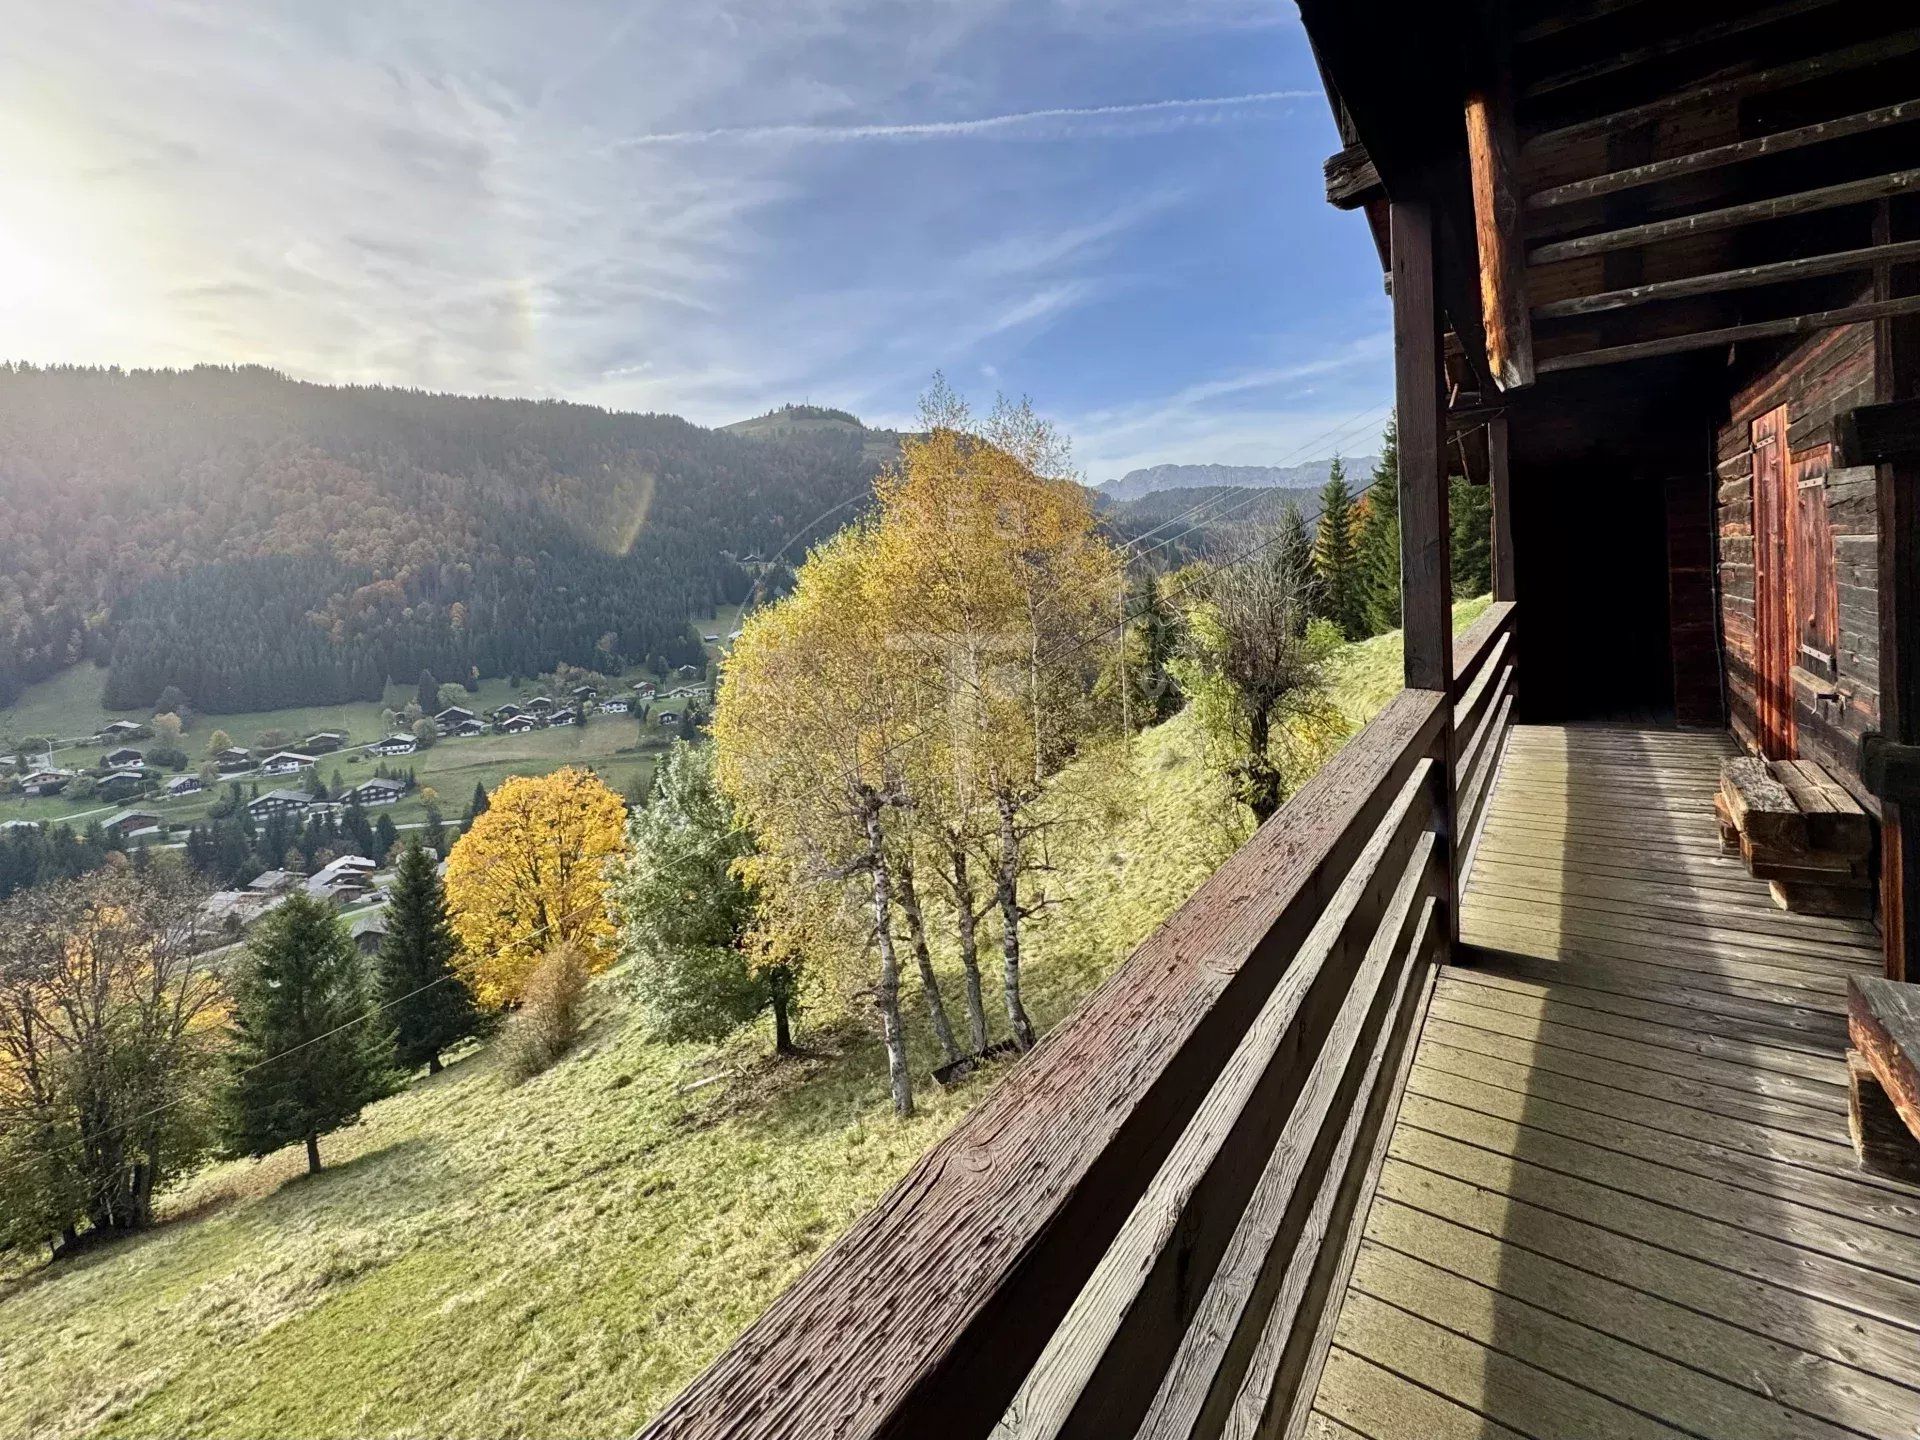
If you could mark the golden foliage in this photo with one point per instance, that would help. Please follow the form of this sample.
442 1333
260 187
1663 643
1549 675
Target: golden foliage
531 875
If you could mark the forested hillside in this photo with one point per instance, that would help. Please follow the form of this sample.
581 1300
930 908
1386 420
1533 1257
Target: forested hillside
261 542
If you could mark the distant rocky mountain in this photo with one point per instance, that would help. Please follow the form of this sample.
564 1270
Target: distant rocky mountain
1308 476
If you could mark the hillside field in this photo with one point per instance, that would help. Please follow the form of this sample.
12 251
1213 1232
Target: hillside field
617 747
558 1258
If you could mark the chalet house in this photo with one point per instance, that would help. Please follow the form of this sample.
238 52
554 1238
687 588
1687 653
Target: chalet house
272 882
713 639
45 782
583 692
1483 1090
324 742
342 880
129 823
565 715
233 758
667 717
184 785
286 762
615 705
644 688
518 725
123 730
395 745
234 910
540 704
279 802
469 728
689 670
120 783
9 827
452 718
506 712
377 791
124 758
369 931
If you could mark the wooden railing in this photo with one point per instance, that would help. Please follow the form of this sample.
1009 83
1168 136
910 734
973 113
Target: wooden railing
1138 1232
1483 689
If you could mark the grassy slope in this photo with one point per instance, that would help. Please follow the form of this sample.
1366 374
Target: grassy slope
556 1259
1367 675
559 1259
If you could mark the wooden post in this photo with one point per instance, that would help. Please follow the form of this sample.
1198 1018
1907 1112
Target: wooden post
1426 582
1496 225
1497 481
1426 579
1897 377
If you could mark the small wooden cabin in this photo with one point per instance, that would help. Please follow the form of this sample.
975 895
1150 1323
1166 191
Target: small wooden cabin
1479 1093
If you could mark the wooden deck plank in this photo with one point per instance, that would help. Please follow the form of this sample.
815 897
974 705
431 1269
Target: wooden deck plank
1810 1384
1661 1112
1619 1197
1632 1378
1786 1026
1834 1332
1551 1007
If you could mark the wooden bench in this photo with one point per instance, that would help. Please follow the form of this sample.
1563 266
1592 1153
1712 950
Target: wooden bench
1883 1074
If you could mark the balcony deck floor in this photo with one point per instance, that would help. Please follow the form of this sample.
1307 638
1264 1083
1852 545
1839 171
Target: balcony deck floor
1619 1197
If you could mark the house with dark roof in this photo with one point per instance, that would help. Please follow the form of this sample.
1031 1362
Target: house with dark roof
565 715
50 781
129 823
369 931
123 730
185 785
377 791
452 718
124 758
232 758
540 704
324 742
517 725
279 802
120 784
469 729
615 705
668 717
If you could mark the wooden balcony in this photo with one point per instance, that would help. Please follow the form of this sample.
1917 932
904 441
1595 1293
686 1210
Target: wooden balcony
1307 1165
1619 1196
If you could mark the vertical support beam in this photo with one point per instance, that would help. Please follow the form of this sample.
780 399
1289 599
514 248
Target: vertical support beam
1897 377
1496 224
1499 484
1426 579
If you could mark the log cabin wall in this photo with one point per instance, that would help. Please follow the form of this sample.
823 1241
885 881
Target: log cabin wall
1829 628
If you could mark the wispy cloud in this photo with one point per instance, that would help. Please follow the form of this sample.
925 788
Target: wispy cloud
1053 122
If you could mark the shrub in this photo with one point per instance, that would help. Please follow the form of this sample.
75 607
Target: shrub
548 1021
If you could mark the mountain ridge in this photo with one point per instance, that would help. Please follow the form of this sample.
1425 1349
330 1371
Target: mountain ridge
1308 475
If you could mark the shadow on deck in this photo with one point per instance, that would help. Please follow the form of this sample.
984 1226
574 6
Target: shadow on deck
1619 1198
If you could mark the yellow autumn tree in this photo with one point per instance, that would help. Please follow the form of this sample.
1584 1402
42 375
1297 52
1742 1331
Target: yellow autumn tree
532 874
808 730
994 577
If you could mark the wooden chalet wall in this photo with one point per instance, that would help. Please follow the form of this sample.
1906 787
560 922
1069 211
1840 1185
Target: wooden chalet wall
1692 625
1832 706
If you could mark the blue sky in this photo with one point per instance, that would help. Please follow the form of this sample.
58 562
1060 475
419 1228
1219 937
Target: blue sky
707 208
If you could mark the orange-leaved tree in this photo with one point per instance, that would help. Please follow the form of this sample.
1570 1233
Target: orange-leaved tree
532 874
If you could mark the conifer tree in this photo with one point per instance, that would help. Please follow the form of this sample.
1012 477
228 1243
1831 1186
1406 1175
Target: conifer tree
1334 559
427 696
309 1050
1470 522
426 999
477 806
386 835
1378 541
